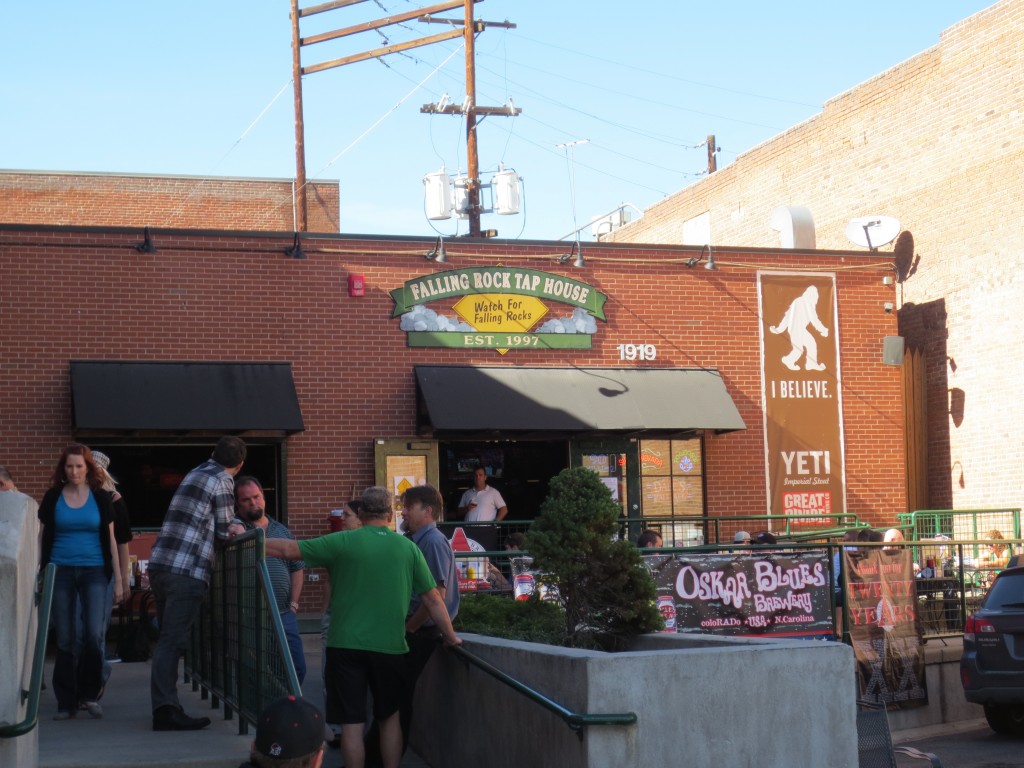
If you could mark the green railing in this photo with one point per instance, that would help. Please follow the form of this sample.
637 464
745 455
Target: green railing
238 653
576 721
683 530
961 524
43 598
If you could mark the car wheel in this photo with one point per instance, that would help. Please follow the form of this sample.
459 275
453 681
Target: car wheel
1015 714
1006 719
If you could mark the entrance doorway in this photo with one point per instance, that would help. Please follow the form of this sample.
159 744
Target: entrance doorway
519 469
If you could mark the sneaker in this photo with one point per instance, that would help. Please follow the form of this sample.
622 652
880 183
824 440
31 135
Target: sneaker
93 708
64 714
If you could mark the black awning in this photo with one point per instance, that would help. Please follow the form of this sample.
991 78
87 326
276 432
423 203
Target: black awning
457 399
184 397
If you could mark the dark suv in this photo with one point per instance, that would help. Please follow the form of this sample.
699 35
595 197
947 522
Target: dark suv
992 667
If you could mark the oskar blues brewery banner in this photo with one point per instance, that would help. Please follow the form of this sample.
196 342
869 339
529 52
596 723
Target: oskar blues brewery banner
881 599
747 595
802 396
498 308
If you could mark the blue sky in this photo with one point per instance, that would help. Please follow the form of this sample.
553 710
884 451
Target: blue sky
203 89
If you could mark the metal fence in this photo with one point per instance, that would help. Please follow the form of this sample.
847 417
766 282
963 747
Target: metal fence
238 653
961 525
950 579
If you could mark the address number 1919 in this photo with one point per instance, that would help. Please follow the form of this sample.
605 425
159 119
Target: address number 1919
637 352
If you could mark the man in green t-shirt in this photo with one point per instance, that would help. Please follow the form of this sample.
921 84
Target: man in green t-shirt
374 572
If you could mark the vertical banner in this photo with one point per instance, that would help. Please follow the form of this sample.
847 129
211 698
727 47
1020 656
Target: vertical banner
802 395
881 599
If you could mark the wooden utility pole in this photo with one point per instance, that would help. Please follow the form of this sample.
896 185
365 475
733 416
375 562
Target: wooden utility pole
468 28
301 219
712 154
471 110
472 158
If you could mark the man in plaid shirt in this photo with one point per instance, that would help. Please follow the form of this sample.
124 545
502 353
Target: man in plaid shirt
180 566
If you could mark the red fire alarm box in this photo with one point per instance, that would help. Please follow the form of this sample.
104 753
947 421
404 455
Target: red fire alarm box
356 286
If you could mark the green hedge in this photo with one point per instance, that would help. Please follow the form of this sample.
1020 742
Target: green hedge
500 616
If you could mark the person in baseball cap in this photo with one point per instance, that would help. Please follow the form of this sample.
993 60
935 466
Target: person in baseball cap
290 732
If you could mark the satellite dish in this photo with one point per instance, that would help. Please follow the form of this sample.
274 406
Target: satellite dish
872 231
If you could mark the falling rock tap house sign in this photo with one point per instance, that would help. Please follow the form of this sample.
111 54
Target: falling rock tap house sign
499 308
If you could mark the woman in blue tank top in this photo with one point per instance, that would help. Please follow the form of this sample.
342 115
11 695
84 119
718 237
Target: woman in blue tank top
77 535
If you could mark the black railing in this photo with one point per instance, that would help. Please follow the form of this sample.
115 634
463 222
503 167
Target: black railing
239 655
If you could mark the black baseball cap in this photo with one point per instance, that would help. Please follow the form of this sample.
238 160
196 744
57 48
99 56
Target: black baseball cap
290 727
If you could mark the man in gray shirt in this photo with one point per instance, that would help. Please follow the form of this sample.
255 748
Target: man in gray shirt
286 576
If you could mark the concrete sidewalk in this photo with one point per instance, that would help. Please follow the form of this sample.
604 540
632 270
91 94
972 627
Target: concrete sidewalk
125 736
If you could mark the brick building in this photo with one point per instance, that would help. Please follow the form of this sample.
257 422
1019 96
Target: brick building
133 200
937 142
643 364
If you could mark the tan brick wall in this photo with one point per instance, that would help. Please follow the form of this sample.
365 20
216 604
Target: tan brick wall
169 202
938 142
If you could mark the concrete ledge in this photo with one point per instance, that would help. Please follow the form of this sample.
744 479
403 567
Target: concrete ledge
946 702
19 563
700 701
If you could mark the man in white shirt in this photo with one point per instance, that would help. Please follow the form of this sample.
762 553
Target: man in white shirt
482 503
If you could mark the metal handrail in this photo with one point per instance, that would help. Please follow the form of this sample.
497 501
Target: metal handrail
214 661
577 722
44 599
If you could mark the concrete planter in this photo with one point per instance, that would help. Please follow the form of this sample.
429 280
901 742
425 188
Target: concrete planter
700 701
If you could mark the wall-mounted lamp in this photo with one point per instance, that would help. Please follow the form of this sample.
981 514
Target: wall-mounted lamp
146 246
294 251
577 250
709 264
437 253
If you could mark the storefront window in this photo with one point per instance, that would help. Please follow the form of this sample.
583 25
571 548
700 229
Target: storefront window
611 468
672 486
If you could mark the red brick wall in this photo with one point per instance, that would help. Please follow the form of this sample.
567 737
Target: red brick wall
122 200
70 293
938 142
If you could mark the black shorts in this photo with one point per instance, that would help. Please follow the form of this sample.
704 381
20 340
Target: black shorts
350 674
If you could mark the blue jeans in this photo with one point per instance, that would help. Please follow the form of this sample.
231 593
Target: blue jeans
78 676
291 631
178 600
106 628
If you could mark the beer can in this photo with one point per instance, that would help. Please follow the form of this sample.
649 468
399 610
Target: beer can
667 606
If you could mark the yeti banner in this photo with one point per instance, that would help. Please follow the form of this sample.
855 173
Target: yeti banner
881 600
802 397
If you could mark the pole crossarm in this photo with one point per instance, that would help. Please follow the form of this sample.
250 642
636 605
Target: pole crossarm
456 109
378 52
379 23
478 26
333 5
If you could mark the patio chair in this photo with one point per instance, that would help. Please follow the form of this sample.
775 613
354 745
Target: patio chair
874 739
